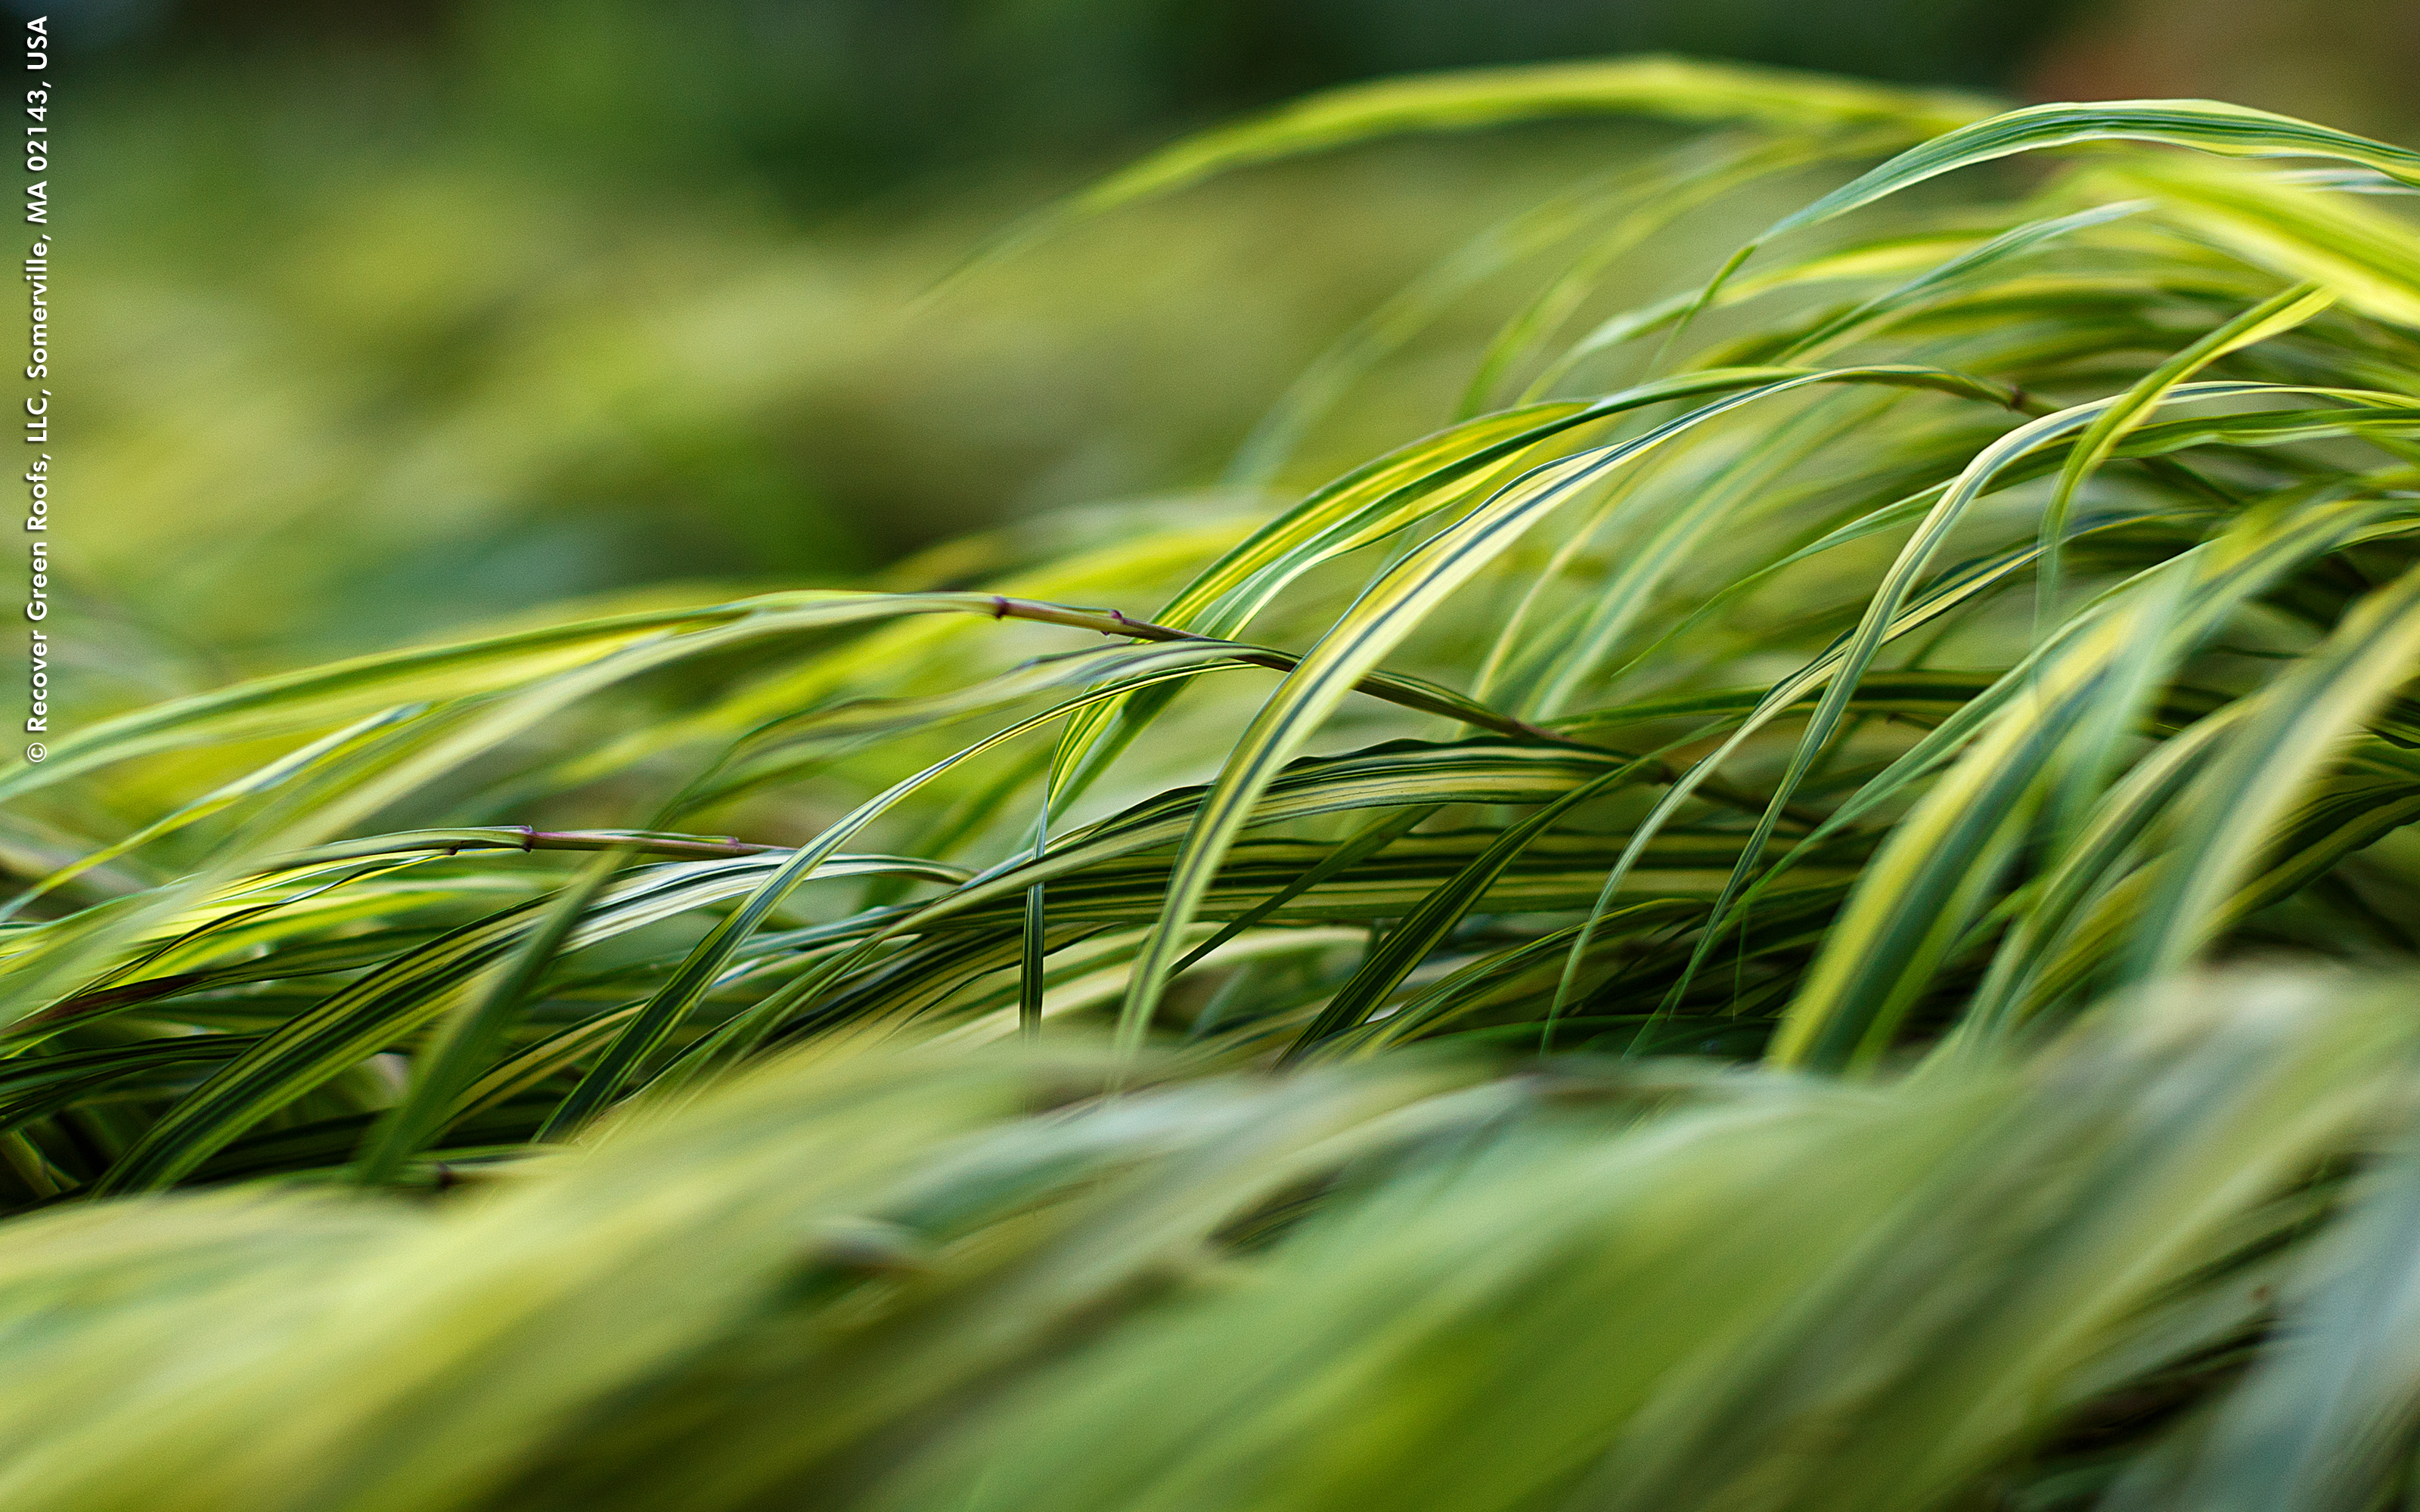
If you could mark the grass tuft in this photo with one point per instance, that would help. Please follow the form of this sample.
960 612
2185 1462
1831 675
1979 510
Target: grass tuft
1195 1023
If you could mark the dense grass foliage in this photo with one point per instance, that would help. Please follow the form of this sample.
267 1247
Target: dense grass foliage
1951 609
1557 971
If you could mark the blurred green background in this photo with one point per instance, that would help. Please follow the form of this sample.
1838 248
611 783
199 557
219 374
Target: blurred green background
382 321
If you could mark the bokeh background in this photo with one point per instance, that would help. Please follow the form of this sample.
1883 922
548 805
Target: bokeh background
382 322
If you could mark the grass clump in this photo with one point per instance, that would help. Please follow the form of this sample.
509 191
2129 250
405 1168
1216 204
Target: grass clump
1959 606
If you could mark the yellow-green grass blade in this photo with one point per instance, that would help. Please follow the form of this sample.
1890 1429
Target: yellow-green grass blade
1666 544
352 690
1680 190
1671 88
391 1003
1387 612
466 1042
1464 462
923 644
647 1031
1419 304
1525 972
1396 775
2201 125
2077 919
1907 910
219 799
1367 842
1425 927
2298 727
2287 309
1862 317
1840 669
1935 875
2358 253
